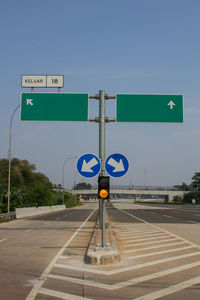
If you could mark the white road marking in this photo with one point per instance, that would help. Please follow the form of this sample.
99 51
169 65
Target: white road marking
61 295
159 241
29 229
167 216
194 222
153 247
141 234
160 252
125 269
148 234
155 226
62 256
170 290
36 288
2 240
150 238
123 284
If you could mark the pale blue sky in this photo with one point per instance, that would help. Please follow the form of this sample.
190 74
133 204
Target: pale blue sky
121 46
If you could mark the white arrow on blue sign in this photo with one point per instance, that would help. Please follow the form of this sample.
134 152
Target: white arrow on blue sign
88 165
116 165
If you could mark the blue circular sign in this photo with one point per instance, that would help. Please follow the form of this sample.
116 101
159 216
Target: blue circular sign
88 165
116 165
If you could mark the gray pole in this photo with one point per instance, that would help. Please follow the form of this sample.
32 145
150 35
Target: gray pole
63 173
102 159
9 156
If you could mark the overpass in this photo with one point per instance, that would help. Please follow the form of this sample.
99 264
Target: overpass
135 192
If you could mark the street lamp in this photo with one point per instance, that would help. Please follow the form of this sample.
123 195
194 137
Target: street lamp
9 156
63 173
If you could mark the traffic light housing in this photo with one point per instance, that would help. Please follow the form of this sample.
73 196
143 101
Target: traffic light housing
103 187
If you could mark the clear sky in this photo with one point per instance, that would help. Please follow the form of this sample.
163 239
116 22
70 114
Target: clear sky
121 46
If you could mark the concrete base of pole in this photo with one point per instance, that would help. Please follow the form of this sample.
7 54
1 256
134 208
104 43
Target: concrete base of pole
96 255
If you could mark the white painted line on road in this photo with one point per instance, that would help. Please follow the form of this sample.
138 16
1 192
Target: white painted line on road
29 229
36 288
61 295
153 242
160 252
123 284
142 233
150 238
170 290
155 226
167 216
62 256
153 247
125 269
2 240
193 222
155 233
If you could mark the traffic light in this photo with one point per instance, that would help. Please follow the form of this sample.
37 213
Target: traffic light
103 187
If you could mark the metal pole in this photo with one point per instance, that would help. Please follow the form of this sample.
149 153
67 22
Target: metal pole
9 157
102 159
63 173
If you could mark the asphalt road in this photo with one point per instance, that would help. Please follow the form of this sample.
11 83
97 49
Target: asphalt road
43 258
28 246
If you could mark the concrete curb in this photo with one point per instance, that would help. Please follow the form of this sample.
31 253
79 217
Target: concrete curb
96 255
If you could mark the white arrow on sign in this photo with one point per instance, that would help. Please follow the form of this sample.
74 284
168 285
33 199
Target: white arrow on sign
171 104
119 166
86 167
29 102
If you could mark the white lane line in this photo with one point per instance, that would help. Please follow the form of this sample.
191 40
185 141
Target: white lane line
29 229
123 284
2 240
160 252
61 295
148 234
141 234
193 222
167 232
167 216
125 269
134 230
153 247
170 290
150 238
35 289
63 256
153 242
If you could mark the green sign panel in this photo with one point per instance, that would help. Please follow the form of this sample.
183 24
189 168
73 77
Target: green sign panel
54 107
149 108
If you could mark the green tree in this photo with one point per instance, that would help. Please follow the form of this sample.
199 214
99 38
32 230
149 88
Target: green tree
83 186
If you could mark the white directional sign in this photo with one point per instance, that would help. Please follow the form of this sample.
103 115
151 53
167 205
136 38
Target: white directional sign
116 165
42 81
88 165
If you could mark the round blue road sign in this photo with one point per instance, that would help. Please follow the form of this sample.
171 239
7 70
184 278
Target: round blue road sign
116 165
88 165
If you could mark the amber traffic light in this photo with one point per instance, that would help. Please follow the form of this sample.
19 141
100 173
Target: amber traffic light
103 187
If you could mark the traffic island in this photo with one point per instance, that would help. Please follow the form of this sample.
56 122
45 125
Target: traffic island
96 255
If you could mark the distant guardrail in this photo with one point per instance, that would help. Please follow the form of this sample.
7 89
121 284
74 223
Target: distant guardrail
5 216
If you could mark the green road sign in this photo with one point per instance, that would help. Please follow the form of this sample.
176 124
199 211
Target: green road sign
54 107
149 108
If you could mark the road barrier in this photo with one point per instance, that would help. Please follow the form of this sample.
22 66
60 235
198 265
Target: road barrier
6 216
33 211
